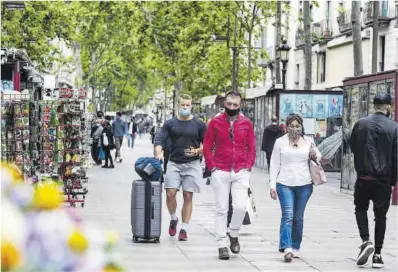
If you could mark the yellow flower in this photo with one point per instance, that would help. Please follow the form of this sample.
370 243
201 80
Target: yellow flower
47 196
112 268
77 242
11 173
10 257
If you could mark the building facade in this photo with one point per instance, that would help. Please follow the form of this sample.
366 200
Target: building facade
332 47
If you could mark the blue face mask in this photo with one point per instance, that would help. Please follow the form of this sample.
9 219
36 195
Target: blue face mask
184 112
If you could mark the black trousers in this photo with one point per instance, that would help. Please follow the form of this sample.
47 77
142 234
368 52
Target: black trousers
95 152
268 156
108 156
380 193
166 156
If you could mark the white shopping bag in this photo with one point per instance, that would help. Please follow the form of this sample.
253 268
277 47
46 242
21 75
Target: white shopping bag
251 210
105 139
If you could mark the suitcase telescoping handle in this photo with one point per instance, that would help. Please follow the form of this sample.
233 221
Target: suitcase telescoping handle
153 205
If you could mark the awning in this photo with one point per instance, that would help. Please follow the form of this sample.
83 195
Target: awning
257 92
208 100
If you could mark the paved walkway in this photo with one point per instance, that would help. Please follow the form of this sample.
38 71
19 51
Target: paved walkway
330 240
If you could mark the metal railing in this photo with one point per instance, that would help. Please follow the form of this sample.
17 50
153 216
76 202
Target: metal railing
344 21
396 14
300 39
387 12
321 30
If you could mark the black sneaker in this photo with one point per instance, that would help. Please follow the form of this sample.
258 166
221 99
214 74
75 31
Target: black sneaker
377 261
235 246
367 249
223 253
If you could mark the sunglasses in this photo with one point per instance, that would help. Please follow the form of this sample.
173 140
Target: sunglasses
231 133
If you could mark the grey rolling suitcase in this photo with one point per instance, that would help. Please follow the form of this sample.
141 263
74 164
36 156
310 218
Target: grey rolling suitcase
146 210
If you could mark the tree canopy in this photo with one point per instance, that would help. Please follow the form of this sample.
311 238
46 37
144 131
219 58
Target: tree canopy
132 48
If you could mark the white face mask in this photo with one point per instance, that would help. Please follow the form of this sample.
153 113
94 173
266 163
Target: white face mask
185 112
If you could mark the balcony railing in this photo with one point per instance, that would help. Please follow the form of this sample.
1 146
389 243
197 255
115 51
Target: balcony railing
300 39
270 56
344 21
386 13
321 31
396 14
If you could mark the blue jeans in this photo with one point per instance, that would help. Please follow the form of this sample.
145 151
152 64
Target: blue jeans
293 200
131 138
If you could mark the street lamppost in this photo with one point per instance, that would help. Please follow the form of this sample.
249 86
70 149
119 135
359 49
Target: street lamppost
284 56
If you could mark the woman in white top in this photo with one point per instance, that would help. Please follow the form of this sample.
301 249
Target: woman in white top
290 180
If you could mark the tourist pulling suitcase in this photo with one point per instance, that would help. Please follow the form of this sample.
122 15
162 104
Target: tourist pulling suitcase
146 201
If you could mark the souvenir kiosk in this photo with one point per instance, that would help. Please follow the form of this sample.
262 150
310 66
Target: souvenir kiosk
359 93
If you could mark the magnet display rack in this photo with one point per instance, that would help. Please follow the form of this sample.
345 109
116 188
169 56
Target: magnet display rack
15 131
70 148
62 141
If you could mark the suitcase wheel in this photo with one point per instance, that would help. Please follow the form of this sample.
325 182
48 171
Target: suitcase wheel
156 240
135 239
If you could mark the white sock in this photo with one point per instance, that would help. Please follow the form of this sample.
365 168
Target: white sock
184 226
173 216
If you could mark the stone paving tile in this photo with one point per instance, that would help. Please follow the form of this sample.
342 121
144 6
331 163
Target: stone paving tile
330 240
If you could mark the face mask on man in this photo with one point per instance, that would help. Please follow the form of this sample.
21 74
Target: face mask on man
231 112
185 112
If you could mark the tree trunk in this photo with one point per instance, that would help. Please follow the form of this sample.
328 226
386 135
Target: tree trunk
375 38
307 45
356 37
79 70
278 41
249 83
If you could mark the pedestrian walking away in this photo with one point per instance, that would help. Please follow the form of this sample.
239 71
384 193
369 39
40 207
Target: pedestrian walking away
271 133
132 132
107 143
230 152
96 132
290 181
119 129
373 142
186 134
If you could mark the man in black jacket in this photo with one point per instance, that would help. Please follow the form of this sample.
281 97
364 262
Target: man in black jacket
271 133
374 145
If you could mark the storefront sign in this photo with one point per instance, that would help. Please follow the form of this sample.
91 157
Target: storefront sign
65 93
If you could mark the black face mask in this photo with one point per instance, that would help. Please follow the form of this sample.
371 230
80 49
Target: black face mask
231 112
388 113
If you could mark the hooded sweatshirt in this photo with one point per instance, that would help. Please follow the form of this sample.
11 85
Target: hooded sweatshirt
271 133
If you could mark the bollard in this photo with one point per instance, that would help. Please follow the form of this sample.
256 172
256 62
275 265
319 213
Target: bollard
395 195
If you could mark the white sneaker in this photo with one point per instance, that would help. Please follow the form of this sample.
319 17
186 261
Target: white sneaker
288 255
296 253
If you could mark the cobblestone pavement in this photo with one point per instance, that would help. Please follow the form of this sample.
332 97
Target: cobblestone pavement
330 242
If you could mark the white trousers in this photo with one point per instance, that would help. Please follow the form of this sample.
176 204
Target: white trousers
223 183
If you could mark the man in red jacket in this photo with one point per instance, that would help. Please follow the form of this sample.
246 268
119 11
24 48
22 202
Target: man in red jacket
229 148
